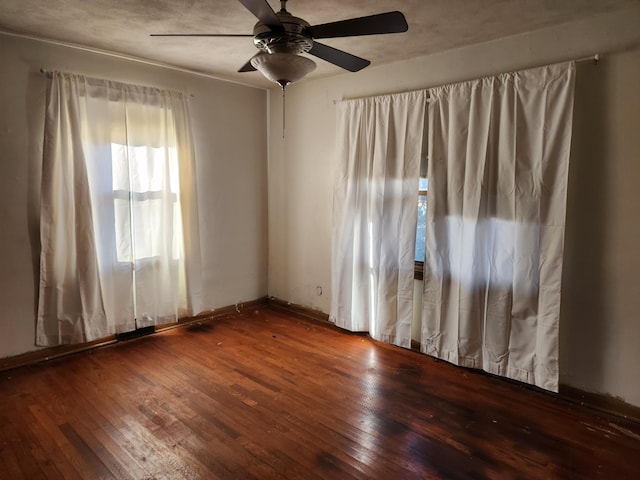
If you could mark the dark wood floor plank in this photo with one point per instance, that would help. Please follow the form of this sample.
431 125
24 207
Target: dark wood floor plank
91 426
96 434
111 425
29 453
50 457
267 395
67 453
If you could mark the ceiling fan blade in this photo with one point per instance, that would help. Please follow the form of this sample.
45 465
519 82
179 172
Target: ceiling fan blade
338 57
200 35
390 22
247 67
263 11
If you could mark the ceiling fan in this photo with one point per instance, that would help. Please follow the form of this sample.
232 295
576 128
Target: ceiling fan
281 38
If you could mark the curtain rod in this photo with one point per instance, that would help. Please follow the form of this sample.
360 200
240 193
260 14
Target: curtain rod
49 74
595 58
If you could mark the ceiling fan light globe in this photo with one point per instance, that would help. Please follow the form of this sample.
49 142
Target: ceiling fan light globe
283 68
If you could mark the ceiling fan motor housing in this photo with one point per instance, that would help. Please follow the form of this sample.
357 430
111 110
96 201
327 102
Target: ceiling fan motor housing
293 38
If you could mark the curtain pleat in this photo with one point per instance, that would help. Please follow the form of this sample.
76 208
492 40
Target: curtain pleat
375 214
498 163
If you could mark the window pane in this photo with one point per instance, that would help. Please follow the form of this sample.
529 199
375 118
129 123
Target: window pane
147 169
123 227
145 211
120 170
423 186
148 228
422 227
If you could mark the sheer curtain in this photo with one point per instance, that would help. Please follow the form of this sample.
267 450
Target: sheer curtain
498 163
119 223
379 146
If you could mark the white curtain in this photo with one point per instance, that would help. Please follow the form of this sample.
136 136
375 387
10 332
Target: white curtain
375 209
498 163
118 211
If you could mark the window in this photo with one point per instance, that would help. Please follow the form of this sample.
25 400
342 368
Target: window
421 228
140 177
118 211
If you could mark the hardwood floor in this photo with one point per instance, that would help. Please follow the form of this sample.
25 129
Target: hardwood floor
267 395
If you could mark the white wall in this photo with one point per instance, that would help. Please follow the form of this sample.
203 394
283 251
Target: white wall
229 128
601 286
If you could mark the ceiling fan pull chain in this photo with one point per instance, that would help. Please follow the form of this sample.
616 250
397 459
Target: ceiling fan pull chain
283 111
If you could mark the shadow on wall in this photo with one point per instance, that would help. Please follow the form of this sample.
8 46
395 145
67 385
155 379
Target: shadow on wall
583 332
35 103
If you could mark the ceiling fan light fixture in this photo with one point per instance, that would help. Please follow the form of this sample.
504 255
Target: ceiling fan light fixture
283 68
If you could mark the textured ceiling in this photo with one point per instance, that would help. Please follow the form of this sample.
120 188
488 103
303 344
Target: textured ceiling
123 26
